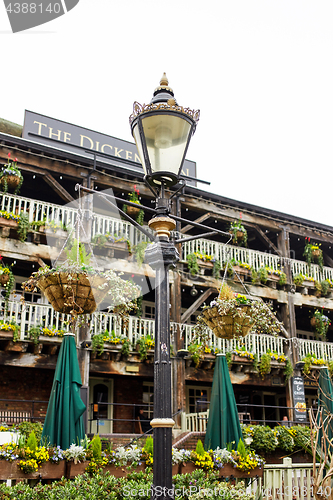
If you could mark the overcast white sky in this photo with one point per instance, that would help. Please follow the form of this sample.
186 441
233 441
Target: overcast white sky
260 71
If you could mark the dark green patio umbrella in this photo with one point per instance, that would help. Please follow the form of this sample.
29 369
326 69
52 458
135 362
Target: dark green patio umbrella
223 423
325 404
63 422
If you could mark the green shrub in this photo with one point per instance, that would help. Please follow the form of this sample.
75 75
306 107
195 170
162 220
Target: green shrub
32 441
149 445
200 450
96 447
25 428
263 439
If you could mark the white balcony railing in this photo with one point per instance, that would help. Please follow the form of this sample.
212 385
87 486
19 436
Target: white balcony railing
32 314
66 214
253 342
322 350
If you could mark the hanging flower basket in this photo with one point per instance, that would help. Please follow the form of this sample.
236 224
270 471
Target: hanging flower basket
10 176
73 291
78 289
133 211
4 278
235 323
234 315
239 233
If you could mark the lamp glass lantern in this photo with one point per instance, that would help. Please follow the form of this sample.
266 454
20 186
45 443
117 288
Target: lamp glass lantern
162 131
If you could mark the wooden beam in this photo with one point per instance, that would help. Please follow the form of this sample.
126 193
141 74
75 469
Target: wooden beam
58 188
197 304
198 221
265 238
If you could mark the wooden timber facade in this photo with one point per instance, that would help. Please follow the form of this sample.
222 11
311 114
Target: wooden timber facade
274 239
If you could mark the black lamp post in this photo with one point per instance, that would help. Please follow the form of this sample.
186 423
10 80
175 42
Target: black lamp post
162 131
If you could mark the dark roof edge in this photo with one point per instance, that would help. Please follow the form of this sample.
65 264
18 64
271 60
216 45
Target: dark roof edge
256 209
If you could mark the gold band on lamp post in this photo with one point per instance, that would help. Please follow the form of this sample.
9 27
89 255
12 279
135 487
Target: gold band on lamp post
162 422
162 226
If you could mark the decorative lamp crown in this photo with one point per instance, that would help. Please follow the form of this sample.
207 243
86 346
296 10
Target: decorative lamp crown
162 131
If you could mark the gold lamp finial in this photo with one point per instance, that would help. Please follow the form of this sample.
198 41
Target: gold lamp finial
164 81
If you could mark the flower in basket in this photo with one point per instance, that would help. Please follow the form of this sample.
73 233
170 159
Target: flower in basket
77 288
10 176
137 212
234 315
320 323
7 279
239 233
313 253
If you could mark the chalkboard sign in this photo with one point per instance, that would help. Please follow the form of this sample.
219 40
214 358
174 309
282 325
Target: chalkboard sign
300 414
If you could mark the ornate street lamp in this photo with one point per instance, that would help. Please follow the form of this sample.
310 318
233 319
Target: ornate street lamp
162 131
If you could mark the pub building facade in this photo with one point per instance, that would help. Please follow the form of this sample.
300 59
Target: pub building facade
54 157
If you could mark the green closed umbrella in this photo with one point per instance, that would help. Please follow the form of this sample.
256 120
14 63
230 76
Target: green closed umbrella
223 425
63 424
325 406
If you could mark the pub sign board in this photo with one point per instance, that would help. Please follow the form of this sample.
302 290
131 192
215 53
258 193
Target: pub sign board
80 140
299 399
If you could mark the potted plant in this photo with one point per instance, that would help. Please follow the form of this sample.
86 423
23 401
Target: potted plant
9 329
7 279
320 323
239 233
23 226
144 344
10 176
136 212
313 253
192 264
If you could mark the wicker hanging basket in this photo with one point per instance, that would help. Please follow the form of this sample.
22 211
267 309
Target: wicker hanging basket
132 211
228 326
69 293
12 181
4 278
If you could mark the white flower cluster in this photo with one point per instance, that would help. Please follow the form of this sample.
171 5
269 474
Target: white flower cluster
131 454
179 456
74 452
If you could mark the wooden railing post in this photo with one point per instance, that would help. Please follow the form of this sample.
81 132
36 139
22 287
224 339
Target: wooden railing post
288 479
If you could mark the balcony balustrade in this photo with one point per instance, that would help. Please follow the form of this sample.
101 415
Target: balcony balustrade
102 224
31 314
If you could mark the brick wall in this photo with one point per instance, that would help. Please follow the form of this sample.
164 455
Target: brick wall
25 384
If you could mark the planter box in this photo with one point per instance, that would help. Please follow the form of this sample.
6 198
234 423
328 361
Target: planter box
73 470
6 334
11 223
228 470
11 470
